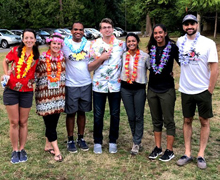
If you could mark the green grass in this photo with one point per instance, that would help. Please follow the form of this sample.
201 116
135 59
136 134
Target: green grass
87 165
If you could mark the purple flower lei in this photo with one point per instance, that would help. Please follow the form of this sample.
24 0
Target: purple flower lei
184 60
164 58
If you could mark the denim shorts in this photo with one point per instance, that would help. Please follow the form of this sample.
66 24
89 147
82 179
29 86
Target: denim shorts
204 102
23 99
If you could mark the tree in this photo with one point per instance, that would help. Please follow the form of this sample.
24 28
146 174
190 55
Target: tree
201 7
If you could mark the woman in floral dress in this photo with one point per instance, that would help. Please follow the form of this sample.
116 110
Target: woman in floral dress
50 91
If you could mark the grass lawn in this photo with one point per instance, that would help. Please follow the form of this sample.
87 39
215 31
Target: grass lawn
87 165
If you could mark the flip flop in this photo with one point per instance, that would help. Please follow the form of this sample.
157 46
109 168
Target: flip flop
60 158
51 151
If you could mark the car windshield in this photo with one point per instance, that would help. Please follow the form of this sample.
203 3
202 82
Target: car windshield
58 31
6 32
67 30
44 33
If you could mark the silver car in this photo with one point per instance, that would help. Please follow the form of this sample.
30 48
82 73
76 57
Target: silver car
8 38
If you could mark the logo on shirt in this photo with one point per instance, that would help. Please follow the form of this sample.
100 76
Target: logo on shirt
191 56
78 56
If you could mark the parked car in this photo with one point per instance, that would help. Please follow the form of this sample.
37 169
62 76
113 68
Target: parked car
19 33
87 34
49 30
123 33
8 38
116 33
95 33
62 32
43 34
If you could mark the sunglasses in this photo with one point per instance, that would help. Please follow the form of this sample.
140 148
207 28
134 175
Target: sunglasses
189 23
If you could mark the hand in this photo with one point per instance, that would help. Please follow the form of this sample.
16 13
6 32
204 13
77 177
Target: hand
105 55
9 72
211 90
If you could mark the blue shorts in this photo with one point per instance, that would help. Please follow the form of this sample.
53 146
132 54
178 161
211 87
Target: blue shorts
78 99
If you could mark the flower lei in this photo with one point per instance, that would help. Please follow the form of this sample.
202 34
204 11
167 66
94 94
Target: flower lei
127 71
59 67
98 51
83 43
55 39
164 58
21 62
111 43
184 60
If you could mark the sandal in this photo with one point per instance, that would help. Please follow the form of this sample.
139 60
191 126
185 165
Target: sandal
60 158
51 151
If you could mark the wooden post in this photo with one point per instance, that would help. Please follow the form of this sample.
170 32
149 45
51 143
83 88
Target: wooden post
216 22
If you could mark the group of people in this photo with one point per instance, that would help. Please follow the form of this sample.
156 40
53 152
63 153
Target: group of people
64 84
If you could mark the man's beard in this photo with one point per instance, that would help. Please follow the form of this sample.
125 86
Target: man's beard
190 34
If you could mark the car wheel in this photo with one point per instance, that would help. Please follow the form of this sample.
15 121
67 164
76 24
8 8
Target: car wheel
114 34
4 44
43 41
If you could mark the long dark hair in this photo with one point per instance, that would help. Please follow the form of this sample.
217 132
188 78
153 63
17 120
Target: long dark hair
152 41
135 36
35 47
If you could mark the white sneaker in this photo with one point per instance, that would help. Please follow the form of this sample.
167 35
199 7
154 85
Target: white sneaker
97 149
135 149
113 148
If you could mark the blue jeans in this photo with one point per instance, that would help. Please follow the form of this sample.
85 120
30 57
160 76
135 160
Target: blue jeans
99 101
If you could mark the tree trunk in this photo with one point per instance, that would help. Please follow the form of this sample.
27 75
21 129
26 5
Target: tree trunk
199 22
148 25
216 22
61 13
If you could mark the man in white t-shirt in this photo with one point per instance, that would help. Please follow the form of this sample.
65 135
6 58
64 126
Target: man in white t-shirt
199 71
78 85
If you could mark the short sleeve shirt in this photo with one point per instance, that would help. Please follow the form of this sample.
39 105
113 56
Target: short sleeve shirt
106 77
194 77
23 84
77 73
143 65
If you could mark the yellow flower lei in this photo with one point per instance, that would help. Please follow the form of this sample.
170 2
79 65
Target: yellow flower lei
21 62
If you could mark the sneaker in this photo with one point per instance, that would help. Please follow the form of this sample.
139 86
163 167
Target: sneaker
135 149
23 156
15 157
82 144
201 163
113 148
155 153
167 156
97 149
184 160
71 147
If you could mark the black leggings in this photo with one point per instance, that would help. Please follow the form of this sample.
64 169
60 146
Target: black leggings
51 125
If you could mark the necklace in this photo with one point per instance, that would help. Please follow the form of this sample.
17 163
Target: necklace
21 62
163 60
98 51
83 43
127 70
185 59
59 67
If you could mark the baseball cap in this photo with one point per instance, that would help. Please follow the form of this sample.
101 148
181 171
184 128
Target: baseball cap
189 17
